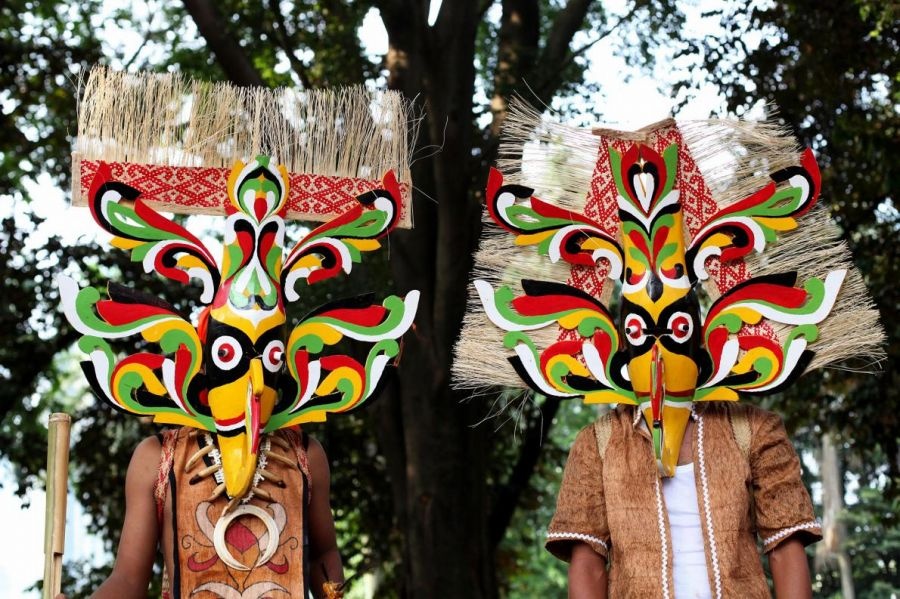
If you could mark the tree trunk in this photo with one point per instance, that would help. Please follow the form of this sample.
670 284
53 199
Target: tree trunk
832 549
445 496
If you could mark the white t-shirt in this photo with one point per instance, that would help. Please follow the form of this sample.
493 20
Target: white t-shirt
689 566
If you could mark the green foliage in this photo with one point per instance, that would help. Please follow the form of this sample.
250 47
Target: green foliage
831 69
311 43
529 570
874 547
42 47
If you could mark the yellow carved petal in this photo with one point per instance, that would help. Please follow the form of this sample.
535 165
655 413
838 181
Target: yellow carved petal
717 240
326 333
533 238
748 359
148 377
125 244
364 245
570 321
330 384
573 365
232 179
607 396
190 261
154 333
745 313
778 223
310 261
596 243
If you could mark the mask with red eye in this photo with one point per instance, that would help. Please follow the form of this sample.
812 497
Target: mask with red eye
681 326
229 352
635 329
226 352
273 356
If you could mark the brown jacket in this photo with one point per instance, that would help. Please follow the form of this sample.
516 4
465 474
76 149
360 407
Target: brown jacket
613 501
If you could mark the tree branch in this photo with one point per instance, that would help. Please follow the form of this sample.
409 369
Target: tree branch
280 32
229 53
583 49
509 494
567 23
517 48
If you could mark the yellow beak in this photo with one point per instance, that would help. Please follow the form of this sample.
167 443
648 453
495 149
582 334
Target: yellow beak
667 420
239 452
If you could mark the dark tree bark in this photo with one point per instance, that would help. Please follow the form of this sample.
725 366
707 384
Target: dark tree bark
447 553
228 51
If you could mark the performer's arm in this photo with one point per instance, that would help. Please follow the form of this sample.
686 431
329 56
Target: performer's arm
325 560
790 570
587 573
137 547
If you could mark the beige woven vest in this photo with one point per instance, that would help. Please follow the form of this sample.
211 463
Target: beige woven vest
199 572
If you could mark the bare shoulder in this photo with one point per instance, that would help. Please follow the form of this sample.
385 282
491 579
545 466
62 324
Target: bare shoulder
318 462
144 462
316 452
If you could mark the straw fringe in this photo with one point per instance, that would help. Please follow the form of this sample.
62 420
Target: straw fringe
555 160
480 358
735 158
170 120
851 337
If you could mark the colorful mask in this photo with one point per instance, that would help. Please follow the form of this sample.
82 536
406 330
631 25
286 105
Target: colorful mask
652 226
227 375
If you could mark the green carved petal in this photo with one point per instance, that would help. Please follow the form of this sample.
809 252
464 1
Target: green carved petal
615 163
387 347
85 301
502 302
670 157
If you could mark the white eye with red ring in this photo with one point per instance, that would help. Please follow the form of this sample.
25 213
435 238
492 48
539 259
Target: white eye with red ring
635 329
681 326
226 352
273 355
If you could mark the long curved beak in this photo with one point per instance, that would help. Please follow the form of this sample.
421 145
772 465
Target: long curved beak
240 452
668 422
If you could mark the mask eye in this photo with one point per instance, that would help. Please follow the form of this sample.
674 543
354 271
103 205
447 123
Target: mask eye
273 355
226 352
681 326
635 329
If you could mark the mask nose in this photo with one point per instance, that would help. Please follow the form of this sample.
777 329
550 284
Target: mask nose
668 421
256 377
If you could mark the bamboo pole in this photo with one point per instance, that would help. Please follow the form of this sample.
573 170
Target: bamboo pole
57 490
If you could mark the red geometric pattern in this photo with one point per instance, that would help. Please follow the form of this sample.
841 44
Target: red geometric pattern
600 205
203 190
697 205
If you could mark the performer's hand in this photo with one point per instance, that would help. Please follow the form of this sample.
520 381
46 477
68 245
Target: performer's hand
60 596
333 590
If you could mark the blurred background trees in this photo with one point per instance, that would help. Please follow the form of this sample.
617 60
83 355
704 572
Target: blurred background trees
428 503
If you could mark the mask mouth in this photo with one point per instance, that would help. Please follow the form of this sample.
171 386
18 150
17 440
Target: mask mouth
251 416
667 420
240 450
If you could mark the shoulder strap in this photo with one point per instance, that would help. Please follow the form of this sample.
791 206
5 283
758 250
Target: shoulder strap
602 432
299 442
740 426
166 457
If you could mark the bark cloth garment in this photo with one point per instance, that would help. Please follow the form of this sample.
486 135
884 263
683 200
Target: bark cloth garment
199 573
612 501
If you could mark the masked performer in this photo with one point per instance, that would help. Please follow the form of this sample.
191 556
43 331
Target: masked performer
238 496
667 270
